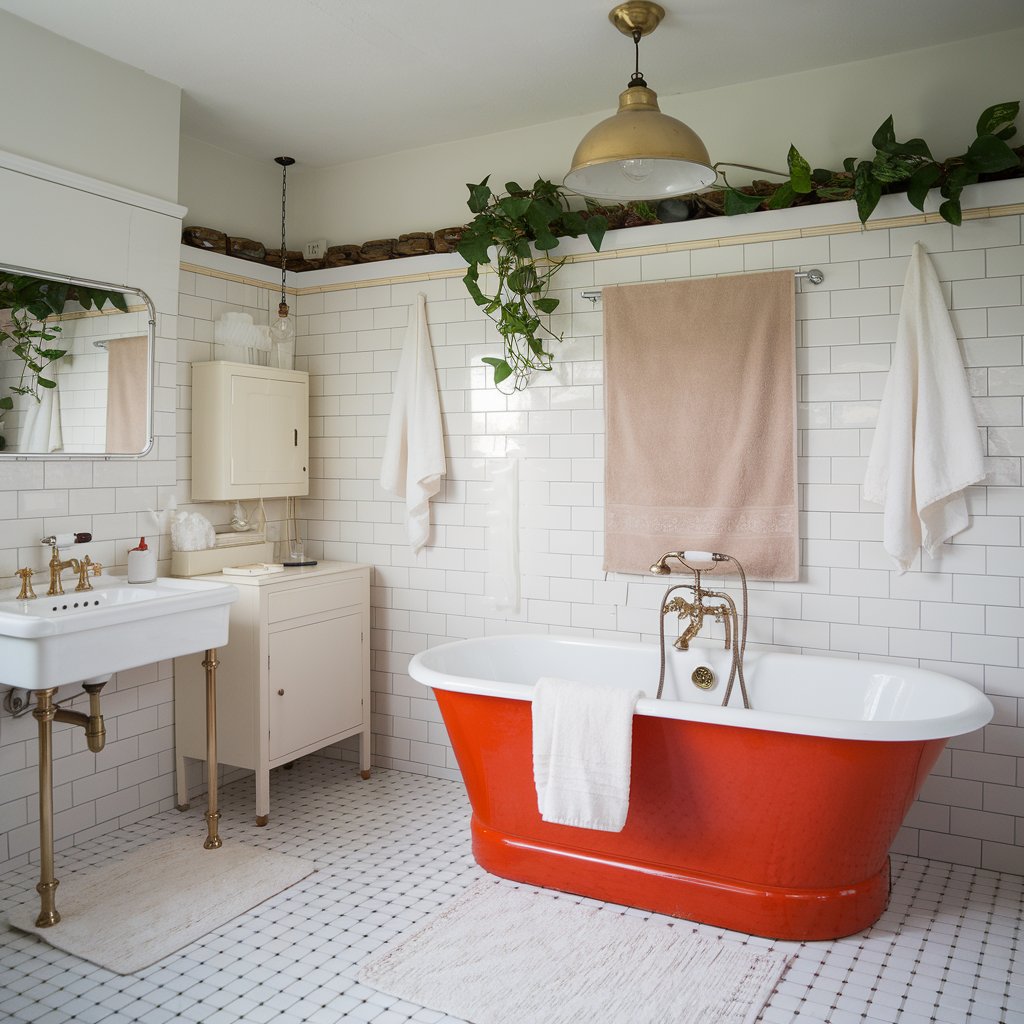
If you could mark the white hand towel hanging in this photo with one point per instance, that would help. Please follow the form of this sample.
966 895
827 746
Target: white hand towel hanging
926 449
413 461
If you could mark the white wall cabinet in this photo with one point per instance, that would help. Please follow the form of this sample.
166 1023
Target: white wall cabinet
250 432
294 677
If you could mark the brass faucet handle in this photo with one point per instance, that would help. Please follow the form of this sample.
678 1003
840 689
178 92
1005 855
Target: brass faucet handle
84 566
26 593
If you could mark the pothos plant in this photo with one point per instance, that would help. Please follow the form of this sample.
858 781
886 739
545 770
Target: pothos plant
896 167
31 335
507 277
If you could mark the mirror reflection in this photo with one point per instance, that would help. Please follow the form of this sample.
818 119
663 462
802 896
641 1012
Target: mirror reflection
76 366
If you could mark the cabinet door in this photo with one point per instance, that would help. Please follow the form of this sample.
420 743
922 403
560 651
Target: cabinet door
269 431
318 666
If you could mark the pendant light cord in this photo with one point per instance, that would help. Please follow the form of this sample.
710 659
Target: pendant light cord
636 78
285 162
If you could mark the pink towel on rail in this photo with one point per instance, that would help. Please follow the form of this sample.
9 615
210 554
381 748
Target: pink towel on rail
700 403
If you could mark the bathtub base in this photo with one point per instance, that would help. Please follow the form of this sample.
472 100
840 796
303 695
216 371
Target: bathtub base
792 914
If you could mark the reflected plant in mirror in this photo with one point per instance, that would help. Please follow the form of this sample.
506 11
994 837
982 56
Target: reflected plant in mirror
76 366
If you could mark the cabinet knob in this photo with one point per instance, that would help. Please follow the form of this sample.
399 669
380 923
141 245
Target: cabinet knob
280 693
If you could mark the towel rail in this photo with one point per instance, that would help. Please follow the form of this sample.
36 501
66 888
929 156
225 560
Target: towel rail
812 276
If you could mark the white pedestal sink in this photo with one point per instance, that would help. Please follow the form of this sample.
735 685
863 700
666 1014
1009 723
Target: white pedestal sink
88 635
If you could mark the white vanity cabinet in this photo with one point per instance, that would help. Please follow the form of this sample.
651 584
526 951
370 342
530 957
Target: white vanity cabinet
294 677
250 432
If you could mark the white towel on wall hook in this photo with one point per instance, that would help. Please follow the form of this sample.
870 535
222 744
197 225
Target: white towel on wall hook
413 461
926 450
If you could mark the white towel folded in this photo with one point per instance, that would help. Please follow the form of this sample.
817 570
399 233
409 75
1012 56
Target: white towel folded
582 747
926 449
413 461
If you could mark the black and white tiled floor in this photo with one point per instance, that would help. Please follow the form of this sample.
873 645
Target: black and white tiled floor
392 849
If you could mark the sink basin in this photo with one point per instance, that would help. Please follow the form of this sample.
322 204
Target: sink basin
51 641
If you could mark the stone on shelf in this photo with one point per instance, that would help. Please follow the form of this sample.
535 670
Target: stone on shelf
378 249
205 238
247 249
416 243
447 239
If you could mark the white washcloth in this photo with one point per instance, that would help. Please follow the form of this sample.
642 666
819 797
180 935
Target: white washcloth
413 461
582 746
926 449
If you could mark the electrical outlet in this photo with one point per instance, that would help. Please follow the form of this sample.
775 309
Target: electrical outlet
315 250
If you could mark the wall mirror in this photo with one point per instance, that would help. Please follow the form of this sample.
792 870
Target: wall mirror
76 367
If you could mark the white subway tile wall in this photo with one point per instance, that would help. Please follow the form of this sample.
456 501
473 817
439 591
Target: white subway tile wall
959 613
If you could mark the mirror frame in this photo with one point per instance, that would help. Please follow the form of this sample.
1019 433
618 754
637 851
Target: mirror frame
151 364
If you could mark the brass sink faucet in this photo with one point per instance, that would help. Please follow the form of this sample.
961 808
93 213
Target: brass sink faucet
58 565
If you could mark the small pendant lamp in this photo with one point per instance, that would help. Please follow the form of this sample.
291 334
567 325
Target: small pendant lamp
282 330
639 152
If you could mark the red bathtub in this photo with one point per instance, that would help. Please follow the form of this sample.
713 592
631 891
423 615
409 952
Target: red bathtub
775 820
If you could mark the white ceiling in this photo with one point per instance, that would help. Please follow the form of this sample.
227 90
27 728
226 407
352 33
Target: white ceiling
330 81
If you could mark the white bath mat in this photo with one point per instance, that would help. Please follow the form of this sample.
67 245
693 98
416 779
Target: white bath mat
501 955
128 915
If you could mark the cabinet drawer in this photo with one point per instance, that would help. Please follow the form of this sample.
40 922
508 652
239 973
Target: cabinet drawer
312 599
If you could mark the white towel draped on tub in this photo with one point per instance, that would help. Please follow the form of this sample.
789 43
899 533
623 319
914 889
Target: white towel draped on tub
926 449
582 747
413 461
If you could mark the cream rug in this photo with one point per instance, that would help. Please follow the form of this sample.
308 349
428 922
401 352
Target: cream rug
129 914
499 955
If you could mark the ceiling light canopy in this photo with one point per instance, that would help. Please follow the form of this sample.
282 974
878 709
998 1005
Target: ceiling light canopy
639 152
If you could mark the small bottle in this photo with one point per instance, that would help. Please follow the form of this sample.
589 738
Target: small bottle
141 563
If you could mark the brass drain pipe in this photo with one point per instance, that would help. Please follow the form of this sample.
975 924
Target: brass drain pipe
92 723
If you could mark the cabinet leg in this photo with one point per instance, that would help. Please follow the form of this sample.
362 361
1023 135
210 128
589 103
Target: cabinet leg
181 781
364 753
262 796
365 773
210 663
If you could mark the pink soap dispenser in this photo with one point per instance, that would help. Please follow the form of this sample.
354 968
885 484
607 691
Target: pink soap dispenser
141 563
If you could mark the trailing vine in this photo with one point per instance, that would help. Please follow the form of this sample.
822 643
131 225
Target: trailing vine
896 167
512 225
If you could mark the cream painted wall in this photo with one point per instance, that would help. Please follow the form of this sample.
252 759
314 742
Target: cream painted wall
234 193
74 108
936 93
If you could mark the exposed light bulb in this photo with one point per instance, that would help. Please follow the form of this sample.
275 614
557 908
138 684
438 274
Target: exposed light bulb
637 169
282 330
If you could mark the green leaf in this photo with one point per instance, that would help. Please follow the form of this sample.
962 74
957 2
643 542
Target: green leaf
987 154
118 301
784 196
52 353
513 187
514 207
885 137
740 202
470 281
573 223
888 168
597 225
922 181
999 120
950 212
799 172
523 279
837 193
912 148
546 305
866 191
479 196
473 248
541 214
501 368
44 383
850 164
6 403
545 241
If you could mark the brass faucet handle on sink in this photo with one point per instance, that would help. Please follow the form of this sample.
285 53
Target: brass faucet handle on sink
26 593
85 566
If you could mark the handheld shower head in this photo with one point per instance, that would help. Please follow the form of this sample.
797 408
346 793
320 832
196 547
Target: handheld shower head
660 568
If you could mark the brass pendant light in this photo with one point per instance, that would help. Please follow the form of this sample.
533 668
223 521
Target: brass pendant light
639 152
282 330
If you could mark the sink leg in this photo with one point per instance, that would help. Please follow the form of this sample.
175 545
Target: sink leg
43 713
210 663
